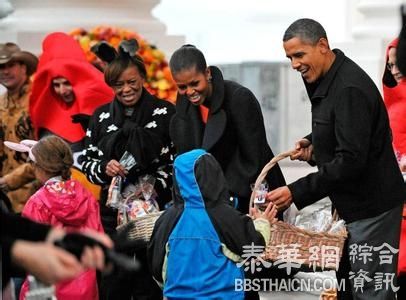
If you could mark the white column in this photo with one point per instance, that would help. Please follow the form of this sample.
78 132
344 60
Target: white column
371 25
33 20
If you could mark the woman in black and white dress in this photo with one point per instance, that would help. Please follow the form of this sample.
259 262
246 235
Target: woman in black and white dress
136 122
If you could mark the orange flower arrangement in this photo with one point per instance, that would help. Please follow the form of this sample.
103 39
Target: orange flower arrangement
159 80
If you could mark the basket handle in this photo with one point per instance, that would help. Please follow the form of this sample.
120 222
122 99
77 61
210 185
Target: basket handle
266 169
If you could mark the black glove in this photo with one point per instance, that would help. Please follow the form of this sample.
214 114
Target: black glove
76 242
82 119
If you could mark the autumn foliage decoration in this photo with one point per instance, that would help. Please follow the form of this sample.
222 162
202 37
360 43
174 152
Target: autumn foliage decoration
159 80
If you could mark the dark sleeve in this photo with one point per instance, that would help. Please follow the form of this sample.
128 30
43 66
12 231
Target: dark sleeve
234 228
14 227
353 117
309 137
93 159
156 250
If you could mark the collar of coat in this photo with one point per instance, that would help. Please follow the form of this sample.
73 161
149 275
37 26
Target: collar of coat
320 88
206 135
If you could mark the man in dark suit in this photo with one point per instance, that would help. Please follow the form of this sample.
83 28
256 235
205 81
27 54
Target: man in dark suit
351 145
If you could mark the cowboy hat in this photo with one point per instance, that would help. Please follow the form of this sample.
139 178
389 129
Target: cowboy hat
11 52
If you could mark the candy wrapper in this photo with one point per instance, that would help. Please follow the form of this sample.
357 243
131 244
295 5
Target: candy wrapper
319 220
114 197
139 200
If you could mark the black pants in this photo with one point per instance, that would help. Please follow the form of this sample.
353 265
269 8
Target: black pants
402 285
130 285
126 285
375 231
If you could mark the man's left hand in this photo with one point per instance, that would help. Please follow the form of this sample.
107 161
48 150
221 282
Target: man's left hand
281 197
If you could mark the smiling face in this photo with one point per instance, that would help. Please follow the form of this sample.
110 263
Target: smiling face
13 74
63 88
193 84
312 61
128 87
393 68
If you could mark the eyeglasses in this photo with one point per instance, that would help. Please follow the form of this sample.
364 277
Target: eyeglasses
390 66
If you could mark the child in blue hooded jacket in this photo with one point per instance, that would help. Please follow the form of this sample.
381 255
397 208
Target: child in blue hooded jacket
197 242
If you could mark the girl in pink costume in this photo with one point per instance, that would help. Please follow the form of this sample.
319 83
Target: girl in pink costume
60 202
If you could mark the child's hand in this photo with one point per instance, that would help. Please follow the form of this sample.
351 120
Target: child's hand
269 213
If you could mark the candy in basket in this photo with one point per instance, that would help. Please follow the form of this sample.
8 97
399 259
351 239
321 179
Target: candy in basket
140 209
315 242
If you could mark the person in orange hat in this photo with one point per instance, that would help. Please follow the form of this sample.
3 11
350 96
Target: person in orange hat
16 67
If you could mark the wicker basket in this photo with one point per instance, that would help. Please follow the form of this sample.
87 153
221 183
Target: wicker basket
316 250
329 295
140 228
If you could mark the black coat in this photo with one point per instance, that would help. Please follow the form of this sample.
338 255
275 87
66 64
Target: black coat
144 134
352 144
234 135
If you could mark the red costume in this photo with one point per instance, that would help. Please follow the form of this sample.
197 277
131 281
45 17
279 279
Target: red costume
63 57
395 101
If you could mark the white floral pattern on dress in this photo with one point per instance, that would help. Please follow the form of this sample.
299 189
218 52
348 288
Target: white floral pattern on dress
160 111
103 116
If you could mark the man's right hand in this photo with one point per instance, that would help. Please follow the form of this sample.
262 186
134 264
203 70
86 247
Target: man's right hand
304 150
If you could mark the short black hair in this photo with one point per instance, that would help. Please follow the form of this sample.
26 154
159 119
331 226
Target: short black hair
187 57
120 64
307 30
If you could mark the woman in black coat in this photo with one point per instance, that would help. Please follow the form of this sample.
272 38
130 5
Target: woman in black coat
222 117
134 122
